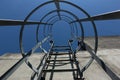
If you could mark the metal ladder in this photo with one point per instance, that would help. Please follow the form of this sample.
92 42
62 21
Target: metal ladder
61 56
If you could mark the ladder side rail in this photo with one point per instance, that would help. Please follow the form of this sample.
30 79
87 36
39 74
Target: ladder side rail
108 71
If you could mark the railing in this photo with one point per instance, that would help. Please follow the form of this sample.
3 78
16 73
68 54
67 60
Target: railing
17 65
37 73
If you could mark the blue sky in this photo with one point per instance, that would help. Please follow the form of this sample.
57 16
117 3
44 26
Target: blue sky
19 9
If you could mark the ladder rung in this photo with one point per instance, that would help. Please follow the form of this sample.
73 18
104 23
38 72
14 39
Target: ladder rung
61 46
60 60
60 53
59 70
60 49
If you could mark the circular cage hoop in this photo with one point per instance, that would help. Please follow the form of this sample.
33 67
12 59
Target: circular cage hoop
73 5
54 21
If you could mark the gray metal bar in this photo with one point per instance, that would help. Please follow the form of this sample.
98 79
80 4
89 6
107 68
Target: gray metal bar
60 49
32 50
60 46
53 67
58 7
59 60
33 76
72 66
106 16
13 68
60 70
17 65
41 67
60 54
102 64
8 22
76 61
